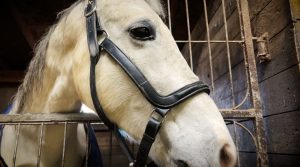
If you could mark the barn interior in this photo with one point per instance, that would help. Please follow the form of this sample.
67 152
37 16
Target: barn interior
211 36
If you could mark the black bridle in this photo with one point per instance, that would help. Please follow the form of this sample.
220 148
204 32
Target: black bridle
162 104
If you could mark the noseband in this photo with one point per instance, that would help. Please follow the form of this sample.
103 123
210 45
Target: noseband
162 104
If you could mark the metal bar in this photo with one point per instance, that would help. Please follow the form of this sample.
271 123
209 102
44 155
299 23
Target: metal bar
209 47
244 53
87 145
169 16
228 52
16 145
236 114
40 145
40 122
189 34
31 118
254 91
211 41
64 145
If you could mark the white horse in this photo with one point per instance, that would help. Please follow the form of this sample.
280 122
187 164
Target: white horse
193 134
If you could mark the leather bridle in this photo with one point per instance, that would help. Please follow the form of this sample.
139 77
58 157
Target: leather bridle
162 104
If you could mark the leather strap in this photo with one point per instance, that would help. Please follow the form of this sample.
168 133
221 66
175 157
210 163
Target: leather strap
162 103
91 26
143 84
149 136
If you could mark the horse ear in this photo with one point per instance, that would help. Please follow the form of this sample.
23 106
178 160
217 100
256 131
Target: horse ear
158 7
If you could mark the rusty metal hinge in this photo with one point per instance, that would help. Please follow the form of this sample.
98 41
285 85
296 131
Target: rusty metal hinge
263 52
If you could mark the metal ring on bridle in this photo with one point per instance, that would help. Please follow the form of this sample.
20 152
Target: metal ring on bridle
158 116
105 34
89 12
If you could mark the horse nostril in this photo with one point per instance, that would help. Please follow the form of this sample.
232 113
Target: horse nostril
181 163
227 158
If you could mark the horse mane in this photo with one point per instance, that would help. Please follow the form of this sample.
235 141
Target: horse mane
34 74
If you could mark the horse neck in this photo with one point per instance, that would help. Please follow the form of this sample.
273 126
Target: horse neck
53 90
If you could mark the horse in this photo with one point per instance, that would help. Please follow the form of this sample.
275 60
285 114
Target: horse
57 81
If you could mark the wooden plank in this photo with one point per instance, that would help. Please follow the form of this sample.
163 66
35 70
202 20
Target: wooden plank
284 160
232 22
117 157
282 131
283 58
256 6
281 93
277 94
222 94
277 11
249 160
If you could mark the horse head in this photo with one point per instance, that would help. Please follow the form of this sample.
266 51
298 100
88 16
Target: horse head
193 132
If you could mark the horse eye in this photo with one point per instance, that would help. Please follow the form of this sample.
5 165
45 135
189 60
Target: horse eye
142 33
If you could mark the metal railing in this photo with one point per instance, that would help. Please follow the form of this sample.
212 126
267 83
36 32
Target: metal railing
235 110
20 121
236 104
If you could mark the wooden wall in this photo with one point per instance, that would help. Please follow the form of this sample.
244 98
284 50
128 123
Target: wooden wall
279 79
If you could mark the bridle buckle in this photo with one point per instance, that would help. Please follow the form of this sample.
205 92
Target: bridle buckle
159 114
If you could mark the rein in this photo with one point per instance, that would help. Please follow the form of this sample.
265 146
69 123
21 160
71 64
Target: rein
162 104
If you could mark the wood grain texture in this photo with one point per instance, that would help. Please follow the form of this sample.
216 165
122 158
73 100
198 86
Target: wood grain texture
282 48
283 134
249 159
272 19
281 93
